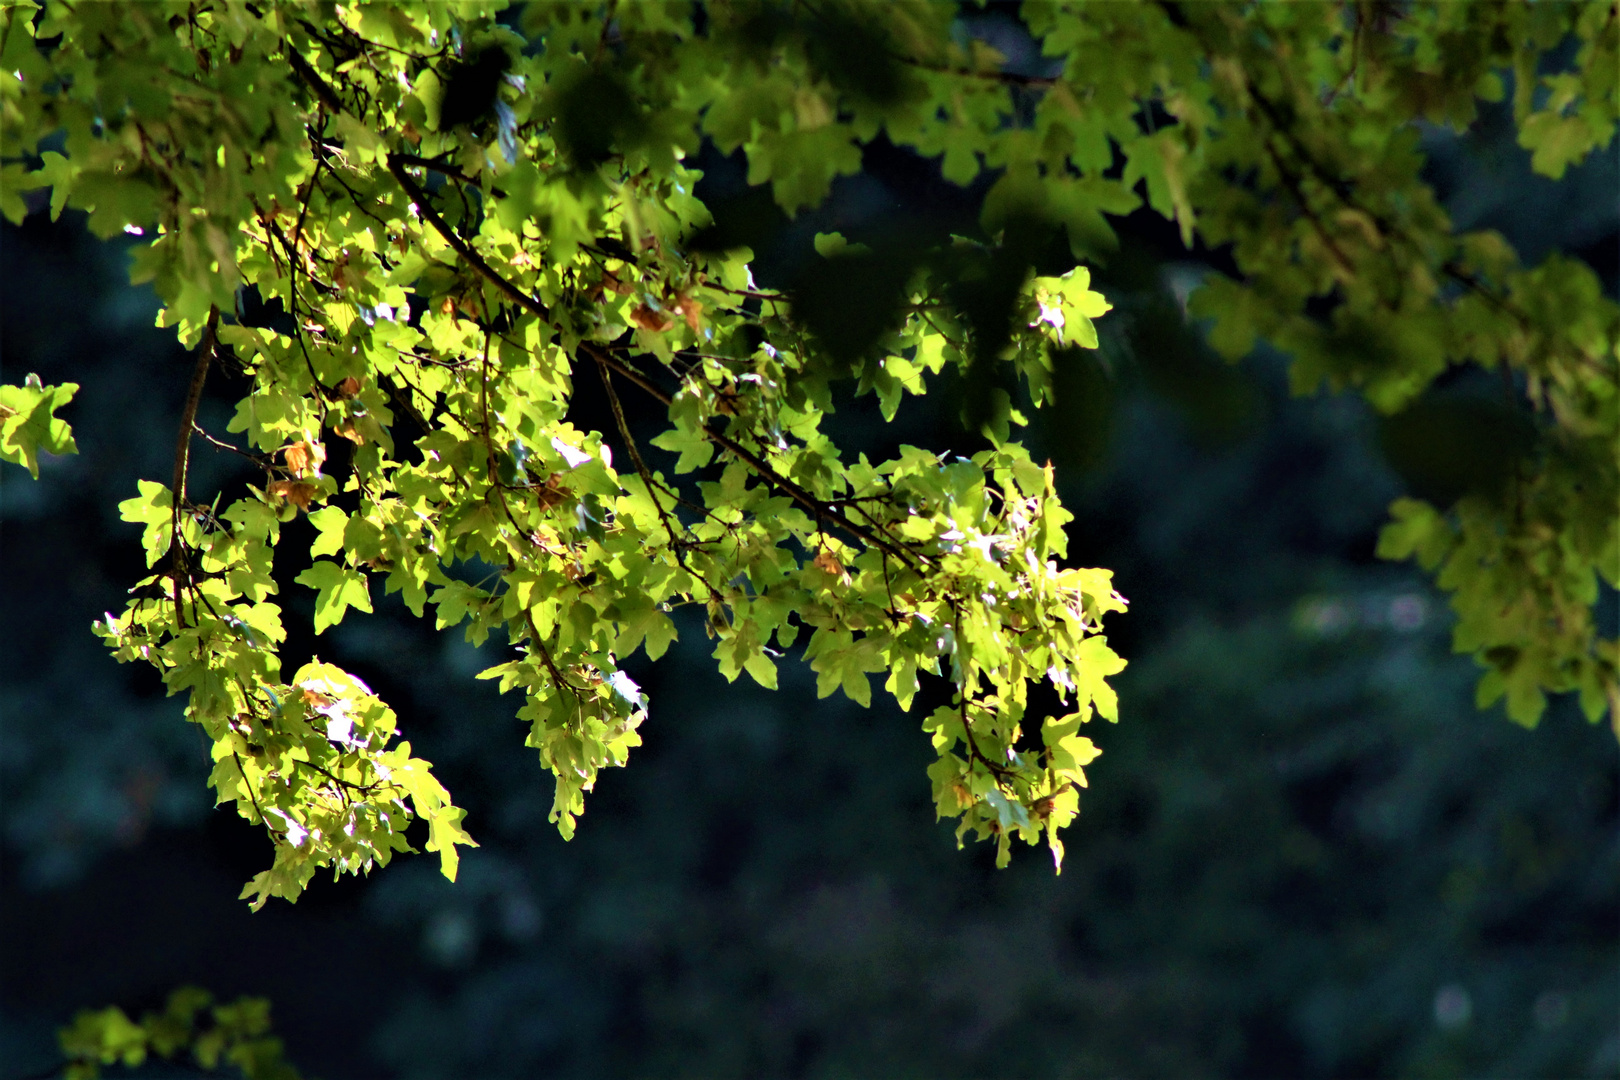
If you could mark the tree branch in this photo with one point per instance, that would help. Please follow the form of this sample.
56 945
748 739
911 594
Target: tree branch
402 398
182 457
443 169
545 657
396 168
312 79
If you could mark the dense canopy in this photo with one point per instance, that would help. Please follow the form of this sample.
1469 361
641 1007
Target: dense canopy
415 227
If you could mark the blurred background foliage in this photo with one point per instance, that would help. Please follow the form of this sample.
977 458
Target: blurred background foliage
1303 852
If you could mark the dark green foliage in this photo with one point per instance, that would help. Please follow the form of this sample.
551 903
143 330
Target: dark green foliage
234 1034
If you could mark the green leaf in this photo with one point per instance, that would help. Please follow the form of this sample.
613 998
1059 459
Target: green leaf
646 624
1418 530
444 833
329 522
695 449
338 588
762 669
27 423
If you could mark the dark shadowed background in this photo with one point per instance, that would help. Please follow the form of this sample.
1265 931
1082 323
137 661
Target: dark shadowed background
1303 852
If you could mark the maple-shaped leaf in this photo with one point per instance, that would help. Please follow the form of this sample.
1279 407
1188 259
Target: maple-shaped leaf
27 426
338 588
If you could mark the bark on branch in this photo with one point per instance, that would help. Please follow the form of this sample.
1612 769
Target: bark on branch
182 459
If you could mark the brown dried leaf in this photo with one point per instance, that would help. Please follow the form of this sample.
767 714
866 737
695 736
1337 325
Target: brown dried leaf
347 429
340 270
693 312
648 319
348 388
298 492
551 492
828 563
304 458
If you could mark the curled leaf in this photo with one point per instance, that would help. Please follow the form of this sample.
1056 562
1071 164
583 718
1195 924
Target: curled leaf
304 458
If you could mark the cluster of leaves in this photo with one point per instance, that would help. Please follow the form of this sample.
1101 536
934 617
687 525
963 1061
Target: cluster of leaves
1296 142
466 310
456 216
238 1036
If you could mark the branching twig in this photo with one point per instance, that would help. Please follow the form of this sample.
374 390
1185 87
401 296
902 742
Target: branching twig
818 507
545 656
676 544
998 771
257 459
312 79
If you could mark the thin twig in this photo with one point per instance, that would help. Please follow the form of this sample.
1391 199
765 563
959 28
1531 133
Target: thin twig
1008 78
248 784
998 771
444 169
367 788
1296 187
257 459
